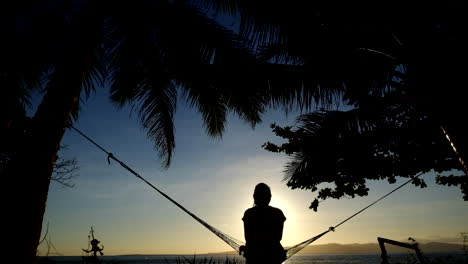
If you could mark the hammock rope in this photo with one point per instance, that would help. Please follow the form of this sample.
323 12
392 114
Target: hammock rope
232 242
294 249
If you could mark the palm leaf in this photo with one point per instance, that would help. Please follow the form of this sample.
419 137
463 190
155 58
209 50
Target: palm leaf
158 100
188 52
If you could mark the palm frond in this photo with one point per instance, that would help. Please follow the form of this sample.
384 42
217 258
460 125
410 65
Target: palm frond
158 100
210 103
279 54
198 53
223 6
292 86
325 137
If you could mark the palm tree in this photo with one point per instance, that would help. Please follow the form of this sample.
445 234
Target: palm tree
149 52
53 46
411 55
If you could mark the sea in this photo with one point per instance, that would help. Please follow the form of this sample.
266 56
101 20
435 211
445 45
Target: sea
400 258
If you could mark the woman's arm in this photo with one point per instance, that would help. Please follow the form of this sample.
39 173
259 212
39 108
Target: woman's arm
278 231
247 231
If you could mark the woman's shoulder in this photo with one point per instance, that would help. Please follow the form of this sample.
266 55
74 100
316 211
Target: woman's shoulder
274 209
277 213
268 211
248 213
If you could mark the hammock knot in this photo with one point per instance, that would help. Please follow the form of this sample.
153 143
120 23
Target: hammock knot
109 156
241 250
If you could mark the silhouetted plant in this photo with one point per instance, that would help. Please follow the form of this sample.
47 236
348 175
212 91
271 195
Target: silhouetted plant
348 148
153 51
206 260
150 52
65 171
15 133
369 49
44 257
383 57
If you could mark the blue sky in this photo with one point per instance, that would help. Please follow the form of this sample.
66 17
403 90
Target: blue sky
215 178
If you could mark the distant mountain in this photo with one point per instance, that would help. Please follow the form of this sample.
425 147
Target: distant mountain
334 248
371 248
441 247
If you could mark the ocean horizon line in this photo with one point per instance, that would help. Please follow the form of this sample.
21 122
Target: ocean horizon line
319 249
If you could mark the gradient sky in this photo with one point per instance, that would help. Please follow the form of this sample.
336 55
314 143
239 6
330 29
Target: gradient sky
215 178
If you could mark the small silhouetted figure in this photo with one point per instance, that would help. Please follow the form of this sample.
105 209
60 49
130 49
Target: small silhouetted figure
263 230
95 248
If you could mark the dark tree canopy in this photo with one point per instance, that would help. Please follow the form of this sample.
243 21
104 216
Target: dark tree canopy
398 65
374 142
401 66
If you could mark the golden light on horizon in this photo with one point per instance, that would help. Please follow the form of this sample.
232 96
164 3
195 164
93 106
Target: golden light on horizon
290 229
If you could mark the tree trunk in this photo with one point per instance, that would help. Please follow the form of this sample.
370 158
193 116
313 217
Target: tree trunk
437 75
30 171
456 131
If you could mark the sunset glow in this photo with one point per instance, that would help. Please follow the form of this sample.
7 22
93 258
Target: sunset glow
215 179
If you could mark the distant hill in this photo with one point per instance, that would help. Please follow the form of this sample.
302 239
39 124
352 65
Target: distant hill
334 248
371 248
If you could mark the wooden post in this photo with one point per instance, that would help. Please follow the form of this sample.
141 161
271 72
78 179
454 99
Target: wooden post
384 251
384 255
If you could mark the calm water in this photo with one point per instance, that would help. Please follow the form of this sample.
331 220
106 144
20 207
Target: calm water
455 258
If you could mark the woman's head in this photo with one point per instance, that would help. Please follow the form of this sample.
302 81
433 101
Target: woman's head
262 194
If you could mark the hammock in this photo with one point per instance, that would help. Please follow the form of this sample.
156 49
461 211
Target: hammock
232 242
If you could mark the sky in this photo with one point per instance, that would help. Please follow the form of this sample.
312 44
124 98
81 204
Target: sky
215 179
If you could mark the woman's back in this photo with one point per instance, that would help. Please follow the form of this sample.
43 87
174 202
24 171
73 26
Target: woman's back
263 229
263 224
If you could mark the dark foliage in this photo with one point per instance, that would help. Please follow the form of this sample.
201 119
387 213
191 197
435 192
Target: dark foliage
345 149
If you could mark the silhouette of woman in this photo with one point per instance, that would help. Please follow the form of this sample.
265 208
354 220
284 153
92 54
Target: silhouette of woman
263 230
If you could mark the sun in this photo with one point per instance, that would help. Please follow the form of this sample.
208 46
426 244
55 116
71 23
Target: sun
290 230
